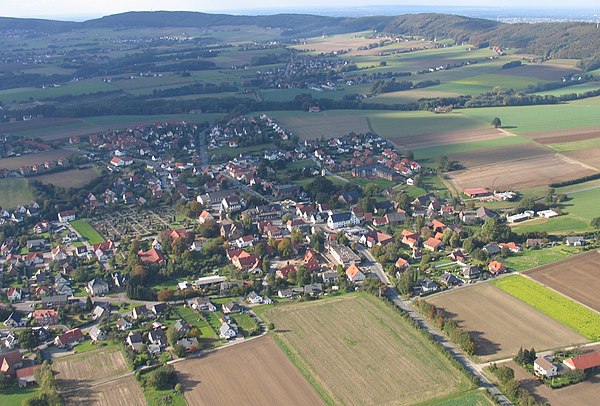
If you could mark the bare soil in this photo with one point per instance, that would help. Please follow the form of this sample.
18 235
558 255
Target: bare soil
83 369
74 178
252 373
497 155
577 277
122 392
459 137
566 135
501 324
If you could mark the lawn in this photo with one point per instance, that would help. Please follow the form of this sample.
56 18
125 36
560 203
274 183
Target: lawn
194 318
14 192
87 231
529 259
581 319
379 357
473 398
16 396
566 224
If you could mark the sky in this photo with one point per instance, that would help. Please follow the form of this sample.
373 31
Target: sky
72 9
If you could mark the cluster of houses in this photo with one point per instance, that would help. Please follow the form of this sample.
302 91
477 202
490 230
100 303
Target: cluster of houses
247 130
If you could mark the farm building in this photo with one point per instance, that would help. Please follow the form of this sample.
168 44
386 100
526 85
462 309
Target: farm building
585 362
477 192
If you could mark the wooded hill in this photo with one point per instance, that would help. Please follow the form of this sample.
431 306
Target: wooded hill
559 40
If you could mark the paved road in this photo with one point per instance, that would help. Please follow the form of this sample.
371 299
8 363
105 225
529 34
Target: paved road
372 262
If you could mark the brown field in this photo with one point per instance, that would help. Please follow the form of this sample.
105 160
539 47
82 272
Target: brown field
577 277
567 135
122 392
253 373
346 42
501 324
589 156
73 178
541 71
83 369
584 393
495 155
310 126
360 351
520 174
433 140
31 159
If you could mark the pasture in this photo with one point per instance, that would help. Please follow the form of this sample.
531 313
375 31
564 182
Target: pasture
328 124
124 391
571 314
532 258
379 357
14 192
75 371
524 173
500 324
73 178
260 373
577 277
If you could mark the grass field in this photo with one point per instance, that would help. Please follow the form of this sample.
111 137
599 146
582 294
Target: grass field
473 398
14 192
577 277
529 259
260 372
328 123
16 396
566 224
457 151
87 231
379 358
500 324
585 321
207 334
73 178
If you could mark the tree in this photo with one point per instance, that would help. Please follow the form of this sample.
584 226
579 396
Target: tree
371 189
28 339
496 122
88 304
163 378
595 223
164 295
285 248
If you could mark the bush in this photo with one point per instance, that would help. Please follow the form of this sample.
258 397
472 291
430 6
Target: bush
162 378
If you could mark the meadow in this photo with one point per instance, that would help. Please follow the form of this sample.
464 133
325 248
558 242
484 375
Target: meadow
532 258
581 319
14 192
380 358
87 231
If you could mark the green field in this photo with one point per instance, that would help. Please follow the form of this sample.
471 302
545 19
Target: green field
582 88
473 398
581 319
14 192
457 149
194 319
87 231
528 259
575 145
16 396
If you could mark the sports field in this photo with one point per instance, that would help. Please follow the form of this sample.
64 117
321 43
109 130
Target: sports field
373 357
500 324
581 319
255 373
577 277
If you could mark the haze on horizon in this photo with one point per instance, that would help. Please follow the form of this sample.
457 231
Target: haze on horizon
70 9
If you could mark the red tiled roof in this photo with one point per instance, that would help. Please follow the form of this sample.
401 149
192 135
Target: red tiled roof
71 336
151 256
585 361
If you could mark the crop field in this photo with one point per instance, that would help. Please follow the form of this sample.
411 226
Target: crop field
328 124
496 153
260 373
457 150
474 398
87 231
577 277
122 392
578 89
73 178
83 369
500 324
589 156
410 96
379 358
524 173
14 192
581 319
433 140
31 159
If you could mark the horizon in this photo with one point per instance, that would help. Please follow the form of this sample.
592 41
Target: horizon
470 8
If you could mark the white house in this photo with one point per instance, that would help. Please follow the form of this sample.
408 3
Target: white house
254 298
228 331
14 294
547 213
545 368
96 334
340 220
97 287
66 216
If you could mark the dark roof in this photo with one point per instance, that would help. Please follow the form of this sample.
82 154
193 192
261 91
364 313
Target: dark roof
340 217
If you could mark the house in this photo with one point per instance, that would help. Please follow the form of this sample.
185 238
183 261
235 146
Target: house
10 362
158 337
97 287
203 304
459 256
450 279
432 244
329 277
342 254
181 326
577 241
428 286
15 320
134 340
231 307
45 317
66 216
99 312
232 203
123 324
585 362
58 300
496 268
547 214
511 246
140 312
314 289
204 217
285 293
484 213
354 274
471 272
533 242
58 253
544 368
14 294
69 338
10 341
401 263
254 298
492 249
33 259
158 308
228 331
152 256
189 344
245 261
340 220
96 334
36 245
26 376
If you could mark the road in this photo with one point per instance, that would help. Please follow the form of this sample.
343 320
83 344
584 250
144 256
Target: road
405 305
